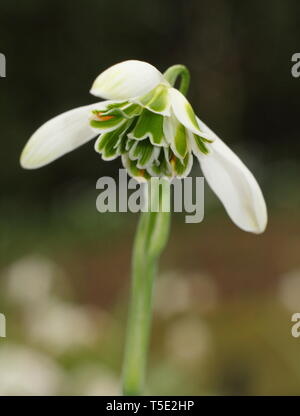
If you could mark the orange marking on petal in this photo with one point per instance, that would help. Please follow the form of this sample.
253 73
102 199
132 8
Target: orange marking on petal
173 160
104 118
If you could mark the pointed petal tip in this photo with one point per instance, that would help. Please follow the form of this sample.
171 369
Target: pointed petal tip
261 220
27 165
256 225
28 160
93 91
234 185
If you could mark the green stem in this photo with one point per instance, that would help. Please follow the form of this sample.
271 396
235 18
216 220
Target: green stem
150 240
174 72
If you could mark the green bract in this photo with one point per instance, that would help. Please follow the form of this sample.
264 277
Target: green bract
148 136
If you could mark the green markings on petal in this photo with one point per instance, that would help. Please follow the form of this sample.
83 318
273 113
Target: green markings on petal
176 135
126 110
182 167
123 144
157 100
131 110
110 151
205 139
133 169
180 141
168 164
129 144
109 143
150 144
106 123
191 115
200 144
161 166
144 152
126 143
149 125
112 106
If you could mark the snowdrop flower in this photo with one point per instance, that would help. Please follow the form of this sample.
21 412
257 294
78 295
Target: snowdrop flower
154 129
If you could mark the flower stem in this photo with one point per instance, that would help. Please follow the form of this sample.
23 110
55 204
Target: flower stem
174 72
150 240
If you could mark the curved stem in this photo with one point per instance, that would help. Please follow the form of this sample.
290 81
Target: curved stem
151 237
174 72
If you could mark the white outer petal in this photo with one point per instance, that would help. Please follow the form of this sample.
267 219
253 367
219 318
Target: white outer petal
234 185
126 80
58 136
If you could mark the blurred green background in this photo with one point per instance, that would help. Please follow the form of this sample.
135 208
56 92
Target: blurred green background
224 299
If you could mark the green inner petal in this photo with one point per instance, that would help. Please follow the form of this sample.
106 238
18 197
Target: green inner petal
110 150
129 144
109 143
149 125
143 152
161 166
131 166
199 141
191 115
206 140
106 124
125 110
132 110
180 166
125 142
157 99
116 105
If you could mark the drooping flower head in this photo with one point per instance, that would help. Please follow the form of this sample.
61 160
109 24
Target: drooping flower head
153 128
155 132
